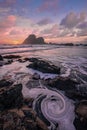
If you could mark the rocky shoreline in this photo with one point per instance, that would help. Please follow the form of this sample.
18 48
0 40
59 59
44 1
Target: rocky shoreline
16 112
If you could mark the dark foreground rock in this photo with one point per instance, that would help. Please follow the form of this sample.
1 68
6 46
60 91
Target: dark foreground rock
21 119
62 83
15 113
10 96
81 109
43 66
81 119
5 83
71 88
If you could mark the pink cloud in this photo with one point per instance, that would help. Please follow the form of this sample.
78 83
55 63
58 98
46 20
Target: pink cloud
7 22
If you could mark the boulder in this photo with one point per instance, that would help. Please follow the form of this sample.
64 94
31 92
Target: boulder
62 83
11 96
81 109
5 83
44 66
80 121
80 92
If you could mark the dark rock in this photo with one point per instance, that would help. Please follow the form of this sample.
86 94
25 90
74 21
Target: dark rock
12 56
1 58
9 62
36 76
11 97
80 121
40 40
21 60
81 109
33 59
5 83
29 102
31 39
44 66
62 83
32 83
26 59
21 119
80 92
80 124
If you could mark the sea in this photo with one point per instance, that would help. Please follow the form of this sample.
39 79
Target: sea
53 104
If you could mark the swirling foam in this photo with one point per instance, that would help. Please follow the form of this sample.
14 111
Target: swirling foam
54 108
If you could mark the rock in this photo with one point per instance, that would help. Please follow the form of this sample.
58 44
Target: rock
81 119
44 66
81 109
33 59
32 83
21 119
9 62
40 40
80 124
28 102
12 56
79 93
11 96
1 58
36 76
62 83
21 60
31 39
5 83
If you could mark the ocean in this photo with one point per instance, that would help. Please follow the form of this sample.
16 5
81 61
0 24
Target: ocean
71 59
53 103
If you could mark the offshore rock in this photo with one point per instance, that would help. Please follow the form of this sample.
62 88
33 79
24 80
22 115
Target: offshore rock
21 119
10 96
31 39
43 66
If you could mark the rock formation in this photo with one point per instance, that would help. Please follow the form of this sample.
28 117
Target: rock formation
15 113
31 39
43 66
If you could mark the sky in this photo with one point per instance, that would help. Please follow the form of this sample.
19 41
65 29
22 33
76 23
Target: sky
58 21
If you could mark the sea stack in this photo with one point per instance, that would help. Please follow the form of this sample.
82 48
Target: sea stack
31 39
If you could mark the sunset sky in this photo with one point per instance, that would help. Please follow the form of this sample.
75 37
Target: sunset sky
55 20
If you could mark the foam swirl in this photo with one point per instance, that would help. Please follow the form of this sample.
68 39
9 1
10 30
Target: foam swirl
54 108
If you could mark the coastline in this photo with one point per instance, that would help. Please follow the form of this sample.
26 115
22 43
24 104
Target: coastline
34 81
